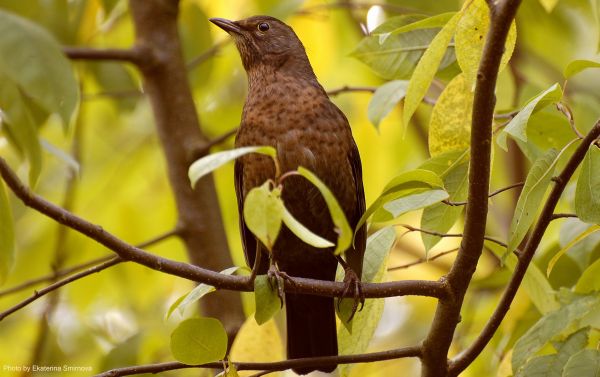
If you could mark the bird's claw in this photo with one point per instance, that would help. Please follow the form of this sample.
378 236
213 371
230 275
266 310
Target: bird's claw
277 279
352 287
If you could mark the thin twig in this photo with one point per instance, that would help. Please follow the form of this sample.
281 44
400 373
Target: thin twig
126 93
414 351
129 252
204 56
465 358
205 148
37 294
563 216
357 5
411 228
348 89
494 193
423 260
131 55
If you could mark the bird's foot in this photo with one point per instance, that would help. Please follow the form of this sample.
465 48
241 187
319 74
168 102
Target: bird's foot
277 279
353 288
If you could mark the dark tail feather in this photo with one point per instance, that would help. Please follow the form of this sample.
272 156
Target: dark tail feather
311 329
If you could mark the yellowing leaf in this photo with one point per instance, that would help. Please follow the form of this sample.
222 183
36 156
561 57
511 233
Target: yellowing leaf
587 192
7 235
303 232
577 66
253 340
568 246
263 212
450 124
426 68
199 341
548 4
335 210
471 36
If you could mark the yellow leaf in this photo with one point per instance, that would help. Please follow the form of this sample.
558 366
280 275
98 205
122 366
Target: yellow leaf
470 38
450 124
256 343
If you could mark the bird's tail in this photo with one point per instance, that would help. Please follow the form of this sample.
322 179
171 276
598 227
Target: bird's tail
311 330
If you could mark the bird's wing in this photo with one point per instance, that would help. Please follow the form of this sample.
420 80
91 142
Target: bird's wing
355 255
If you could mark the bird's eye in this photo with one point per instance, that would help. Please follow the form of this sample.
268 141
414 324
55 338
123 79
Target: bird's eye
263 26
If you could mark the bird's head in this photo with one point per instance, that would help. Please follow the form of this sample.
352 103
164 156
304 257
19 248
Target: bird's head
265 40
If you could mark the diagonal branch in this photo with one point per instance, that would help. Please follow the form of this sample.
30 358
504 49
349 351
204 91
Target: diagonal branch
447 315
128 252
467 356
132 55
308 362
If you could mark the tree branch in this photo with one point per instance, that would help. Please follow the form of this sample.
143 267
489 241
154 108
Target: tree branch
131 55
37 294
459 363
557 216
308 362
423 260
447 315
209 53
411 228
491 194
131 253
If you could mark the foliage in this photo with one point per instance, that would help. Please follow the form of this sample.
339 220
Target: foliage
97 154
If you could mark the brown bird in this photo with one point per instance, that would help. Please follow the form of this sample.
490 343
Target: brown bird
288 109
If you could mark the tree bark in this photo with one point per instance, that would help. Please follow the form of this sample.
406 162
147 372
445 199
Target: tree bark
178 126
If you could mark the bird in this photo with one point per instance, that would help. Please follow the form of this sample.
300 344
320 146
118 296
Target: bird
286 108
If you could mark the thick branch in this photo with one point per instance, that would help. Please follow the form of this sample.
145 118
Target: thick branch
447 316
274 366
237 283
466 357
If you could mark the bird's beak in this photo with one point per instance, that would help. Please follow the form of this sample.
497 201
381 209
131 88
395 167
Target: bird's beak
227 25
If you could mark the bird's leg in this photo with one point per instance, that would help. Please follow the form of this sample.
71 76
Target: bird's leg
277 278
352 285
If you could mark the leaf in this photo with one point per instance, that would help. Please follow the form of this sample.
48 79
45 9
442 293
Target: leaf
539 366
61 155
335 210
410 203
413 181
196 294
589 282
20 124
550 326
587 192
426 68
517 127
397 56
548 4
35 62
303 232
562 251
441 217
528 205
384 99
7 235
252 340
207 164
263 213
365 322
577 66
198 341
450 122
585 363
266 299
470 39
436 21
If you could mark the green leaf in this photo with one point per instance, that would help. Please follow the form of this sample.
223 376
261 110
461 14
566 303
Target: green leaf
303 232
450 122
263 213
577 66
266 299
7 235
585 363
35 62
436 21
589 282
539 366
426 68
550 326
20 124
343 229
406 183
441 217
213 161
470 38
365 322
587 192
400 206
517 127
531 197
538 288
196 294
562 251
198 341
384 99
